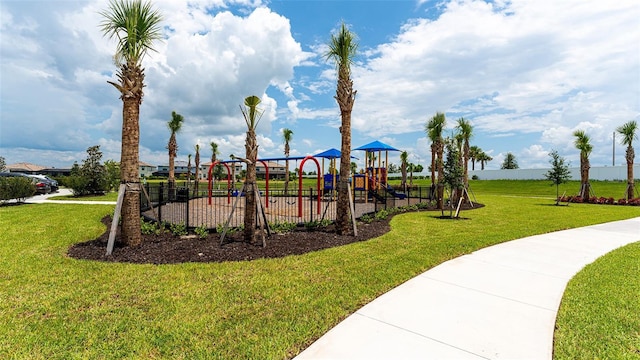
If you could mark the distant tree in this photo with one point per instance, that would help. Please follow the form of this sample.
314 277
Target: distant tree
483 158
392 168
197 172
354 167
474 152
404 159
418 168
175 124
342 50
188 168
112 174
628 132
3 164
559 172
287 135
583 143
91 176
214 151
509 162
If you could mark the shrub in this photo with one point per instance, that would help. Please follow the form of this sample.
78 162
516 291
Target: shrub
17 187
202 231
282 227
622 201
178 229
475 177
149 228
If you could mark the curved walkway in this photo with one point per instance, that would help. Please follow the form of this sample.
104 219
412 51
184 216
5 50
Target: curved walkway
40 199
499 302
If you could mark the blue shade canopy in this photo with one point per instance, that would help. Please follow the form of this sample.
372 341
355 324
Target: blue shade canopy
376 146
332 153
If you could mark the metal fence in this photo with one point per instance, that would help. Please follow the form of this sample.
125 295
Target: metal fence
199 207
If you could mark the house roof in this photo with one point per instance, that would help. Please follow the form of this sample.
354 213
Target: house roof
25 167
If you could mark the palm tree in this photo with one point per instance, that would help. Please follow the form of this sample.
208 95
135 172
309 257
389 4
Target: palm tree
404 157
434 129
136 26
252 116
197 175
628 132
582 143
286 137
188 168
214 151
175 124
465 130
342 50
483 157
474 152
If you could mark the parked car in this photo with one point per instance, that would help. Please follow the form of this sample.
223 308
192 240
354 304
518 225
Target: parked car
52 183
42 187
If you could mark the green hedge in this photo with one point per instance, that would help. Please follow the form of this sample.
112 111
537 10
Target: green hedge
18 188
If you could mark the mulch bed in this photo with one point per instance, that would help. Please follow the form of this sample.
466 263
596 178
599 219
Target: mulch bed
169 249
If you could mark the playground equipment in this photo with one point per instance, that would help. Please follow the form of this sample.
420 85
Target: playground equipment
375 177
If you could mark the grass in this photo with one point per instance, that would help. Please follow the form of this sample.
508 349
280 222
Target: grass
110 196
55 307
598 317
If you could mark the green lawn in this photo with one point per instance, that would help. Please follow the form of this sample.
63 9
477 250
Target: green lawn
54 307
599 317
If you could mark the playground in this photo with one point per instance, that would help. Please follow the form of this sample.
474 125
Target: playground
221 203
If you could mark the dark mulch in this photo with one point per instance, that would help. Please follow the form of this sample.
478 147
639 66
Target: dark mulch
169 249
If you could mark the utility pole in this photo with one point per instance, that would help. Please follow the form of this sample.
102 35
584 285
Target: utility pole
614 148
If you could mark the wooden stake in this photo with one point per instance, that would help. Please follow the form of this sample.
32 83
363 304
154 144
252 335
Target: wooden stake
116 218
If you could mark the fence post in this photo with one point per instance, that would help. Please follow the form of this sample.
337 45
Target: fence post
311 203
186 204
160 202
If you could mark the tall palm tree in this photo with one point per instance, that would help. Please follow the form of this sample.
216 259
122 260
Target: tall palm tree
342 50
136 27
175 124
252 117
197 174
404 158
465 130
287 135
474 151
628 132
583 143
434 128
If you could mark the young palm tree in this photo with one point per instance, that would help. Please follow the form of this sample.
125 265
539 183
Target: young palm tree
136 26
214 151
582 143
465 130
628 132
434 129
188 168
404 158
252 116
287 135
197 174
342 50
474 151
175 124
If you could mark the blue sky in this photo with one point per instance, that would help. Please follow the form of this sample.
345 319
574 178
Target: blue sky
526 73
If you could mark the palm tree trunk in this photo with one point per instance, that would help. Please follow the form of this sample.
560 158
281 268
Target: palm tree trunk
440 165
630 155
342 206
251 148
286 177
131 231
584 177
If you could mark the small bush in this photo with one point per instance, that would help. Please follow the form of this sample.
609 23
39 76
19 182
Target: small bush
282 227
202 231
178 229
475 177
149 228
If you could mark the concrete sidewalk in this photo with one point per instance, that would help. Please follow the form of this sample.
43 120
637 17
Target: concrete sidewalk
41 199
496 303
